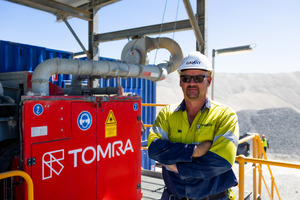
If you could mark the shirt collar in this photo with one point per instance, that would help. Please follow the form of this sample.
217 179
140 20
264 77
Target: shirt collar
182 105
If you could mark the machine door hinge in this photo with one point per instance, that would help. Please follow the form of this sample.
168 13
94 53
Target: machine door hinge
31 161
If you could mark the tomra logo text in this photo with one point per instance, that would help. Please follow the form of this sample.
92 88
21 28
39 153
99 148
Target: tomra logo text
117 148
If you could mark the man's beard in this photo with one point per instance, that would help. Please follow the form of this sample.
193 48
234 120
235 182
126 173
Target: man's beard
192 94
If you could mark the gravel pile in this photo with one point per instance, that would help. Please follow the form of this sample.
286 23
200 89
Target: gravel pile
266 104
280 125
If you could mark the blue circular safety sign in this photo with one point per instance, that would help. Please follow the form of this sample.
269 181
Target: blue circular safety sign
38 109
135 106
84 120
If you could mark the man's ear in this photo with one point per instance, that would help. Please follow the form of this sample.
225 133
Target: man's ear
209 79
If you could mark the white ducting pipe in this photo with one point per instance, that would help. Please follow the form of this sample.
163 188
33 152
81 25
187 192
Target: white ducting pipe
106 69
42 73
171 46
144 45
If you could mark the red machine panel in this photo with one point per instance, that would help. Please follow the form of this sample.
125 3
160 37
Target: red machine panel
119 149
47 116
96 156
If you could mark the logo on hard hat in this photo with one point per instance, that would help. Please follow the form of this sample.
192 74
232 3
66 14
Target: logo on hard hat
195 62
84 120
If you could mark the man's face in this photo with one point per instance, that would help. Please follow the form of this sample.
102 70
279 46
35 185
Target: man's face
192 89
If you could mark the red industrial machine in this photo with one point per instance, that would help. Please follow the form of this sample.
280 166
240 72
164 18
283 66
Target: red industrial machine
76 147
83 148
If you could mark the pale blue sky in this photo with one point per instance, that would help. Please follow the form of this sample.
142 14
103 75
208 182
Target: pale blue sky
272 25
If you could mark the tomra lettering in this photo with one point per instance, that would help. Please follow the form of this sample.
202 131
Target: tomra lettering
112 149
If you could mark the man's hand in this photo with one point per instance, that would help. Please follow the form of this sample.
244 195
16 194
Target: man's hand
173 168
201 149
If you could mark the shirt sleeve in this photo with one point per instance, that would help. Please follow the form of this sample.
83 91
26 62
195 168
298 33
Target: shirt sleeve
204 167
160 148
169 153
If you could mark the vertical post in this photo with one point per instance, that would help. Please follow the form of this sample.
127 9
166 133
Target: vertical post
213 75
93 47
272 187
260 165
255 146
202 10
241 161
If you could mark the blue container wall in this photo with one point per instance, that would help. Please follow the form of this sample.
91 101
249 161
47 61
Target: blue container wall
22 57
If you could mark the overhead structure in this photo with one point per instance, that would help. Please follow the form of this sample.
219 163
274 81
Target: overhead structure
193 20
87 10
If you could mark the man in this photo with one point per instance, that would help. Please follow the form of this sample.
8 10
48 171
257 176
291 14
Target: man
195 141
265 142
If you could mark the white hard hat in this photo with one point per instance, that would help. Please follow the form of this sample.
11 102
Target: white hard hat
195 60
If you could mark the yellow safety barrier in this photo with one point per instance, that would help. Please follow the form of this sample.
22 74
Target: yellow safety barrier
151 104
25 176
258 153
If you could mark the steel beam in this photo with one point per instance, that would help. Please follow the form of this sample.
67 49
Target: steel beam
147 30
56 8
194 24
201 12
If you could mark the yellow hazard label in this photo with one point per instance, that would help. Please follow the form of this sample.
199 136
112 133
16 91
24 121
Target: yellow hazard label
111 118
110 125
110 131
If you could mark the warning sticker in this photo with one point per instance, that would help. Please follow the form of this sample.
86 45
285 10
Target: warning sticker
111 118
110 125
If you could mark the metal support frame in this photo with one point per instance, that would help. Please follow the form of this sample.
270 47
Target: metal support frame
199 37
71 9
76 37
55 8
182 25
88 11
196 22
93 46
201 14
